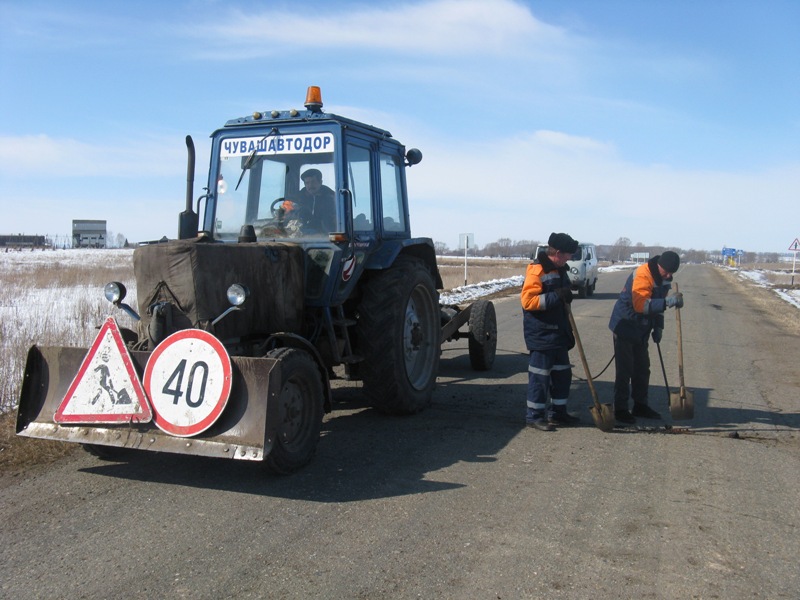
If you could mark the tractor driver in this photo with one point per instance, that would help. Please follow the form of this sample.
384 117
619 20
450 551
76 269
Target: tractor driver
315 206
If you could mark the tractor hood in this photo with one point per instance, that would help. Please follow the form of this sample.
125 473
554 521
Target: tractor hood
192 276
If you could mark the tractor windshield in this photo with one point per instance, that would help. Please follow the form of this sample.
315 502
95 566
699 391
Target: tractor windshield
284 186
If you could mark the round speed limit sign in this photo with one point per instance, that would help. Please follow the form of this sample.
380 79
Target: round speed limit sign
188 380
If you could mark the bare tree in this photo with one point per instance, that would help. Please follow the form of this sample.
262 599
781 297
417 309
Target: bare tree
695 256
525 248
769 257
620 249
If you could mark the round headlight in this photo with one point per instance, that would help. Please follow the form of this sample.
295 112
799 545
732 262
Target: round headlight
237 294
114 292
574 270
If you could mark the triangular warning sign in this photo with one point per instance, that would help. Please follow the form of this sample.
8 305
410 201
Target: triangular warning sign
106 388
795 247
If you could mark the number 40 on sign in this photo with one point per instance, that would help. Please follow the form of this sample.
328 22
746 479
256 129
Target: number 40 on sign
188 380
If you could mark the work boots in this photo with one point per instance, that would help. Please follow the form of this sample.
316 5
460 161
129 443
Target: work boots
563 419
559 417
645 412
541 425
623 415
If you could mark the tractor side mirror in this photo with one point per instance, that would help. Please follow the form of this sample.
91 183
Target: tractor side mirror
413 157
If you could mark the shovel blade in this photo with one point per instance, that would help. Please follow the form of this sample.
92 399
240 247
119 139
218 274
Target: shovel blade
681 405
603 416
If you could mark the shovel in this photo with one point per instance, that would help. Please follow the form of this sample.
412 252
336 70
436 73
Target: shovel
602 414
681 403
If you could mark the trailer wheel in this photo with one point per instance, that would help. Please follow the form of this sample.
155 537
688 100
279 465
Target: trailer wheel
399 336
300 404
482 335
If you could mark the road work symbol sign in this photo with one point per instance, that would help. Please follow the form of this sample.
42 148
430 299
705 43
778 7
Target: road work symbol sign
106 388
188 380
795 247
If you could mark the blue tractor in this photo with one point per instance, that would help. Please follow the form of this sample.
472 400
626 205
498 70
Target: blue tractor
297 259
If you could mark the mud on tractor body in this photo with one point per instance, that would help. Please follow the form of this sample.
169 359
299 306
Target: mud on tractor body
269 286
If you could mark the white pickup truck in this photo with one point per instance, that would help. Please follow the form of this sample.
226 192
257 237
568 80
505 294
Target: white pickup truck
582 268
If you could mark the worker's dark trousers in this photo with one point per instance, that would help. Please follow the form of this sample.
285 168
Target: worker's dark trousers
632 360
549 376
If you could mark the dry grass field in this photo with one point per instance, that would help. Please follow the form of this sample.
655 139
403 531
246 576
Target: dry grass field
52 298
778 278
478 269
48 298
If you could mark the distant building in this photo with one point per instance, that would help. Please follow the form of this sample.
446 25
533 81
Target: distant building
88 234
20 240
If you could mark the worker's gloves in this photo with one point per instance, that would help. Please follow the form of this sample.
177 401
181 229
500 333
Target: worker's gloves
675 301
565 294
657 335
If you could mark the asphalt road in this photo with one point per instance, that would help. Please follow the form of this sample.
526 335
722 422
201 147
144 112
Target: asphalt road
461 501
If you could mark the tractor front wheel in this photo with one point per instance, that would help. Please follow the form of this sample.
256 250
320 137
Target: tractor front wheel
300 408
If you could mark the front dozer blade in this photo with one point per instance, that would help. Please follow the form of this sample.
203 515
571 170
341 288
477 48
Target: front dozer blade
242 430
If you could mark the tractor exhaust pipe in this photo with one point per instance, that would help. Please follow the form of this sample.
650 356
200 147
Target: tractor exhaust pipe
188 219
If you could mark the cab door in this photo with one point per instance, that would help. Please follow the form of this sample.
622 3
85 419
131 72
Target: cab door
360 191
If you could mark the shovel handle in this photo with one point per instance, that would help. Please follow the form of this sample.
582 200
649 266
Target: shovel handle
680 344
663 369
583 356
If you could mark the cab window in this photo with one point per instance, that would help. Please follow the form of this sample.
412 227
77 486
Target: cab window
360 186
392 194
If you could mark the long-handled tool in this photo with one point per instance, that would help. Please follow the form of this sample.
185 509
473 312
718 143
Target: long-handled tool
664 371
681 404
602 414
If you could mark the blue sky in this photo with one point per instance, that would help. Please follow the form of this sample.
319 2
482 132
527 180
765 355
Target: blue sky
672 123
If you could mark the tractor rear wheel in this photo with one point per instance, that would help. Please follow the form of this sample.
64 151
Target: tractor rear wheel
399 336
300 406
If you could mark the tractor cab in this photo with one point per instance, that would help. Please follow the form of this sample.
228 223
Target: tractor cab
330 184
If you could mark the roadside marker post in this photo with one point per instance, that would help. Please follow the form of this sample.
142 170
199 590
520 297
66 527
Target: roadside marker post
794 248
467 241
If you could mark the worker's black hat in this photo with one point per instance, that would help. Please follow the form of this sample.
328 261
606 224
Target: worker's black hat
311 173
563 242
669 261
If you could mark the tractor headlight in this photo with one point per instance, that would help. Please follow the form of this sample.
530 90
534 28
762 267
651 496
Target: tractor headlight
115 292
237 294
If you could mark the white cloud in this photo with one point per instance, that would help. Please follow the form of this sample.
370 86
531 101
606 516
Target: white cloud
441 27
45 157
527 186
61 27
137 216
137 185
